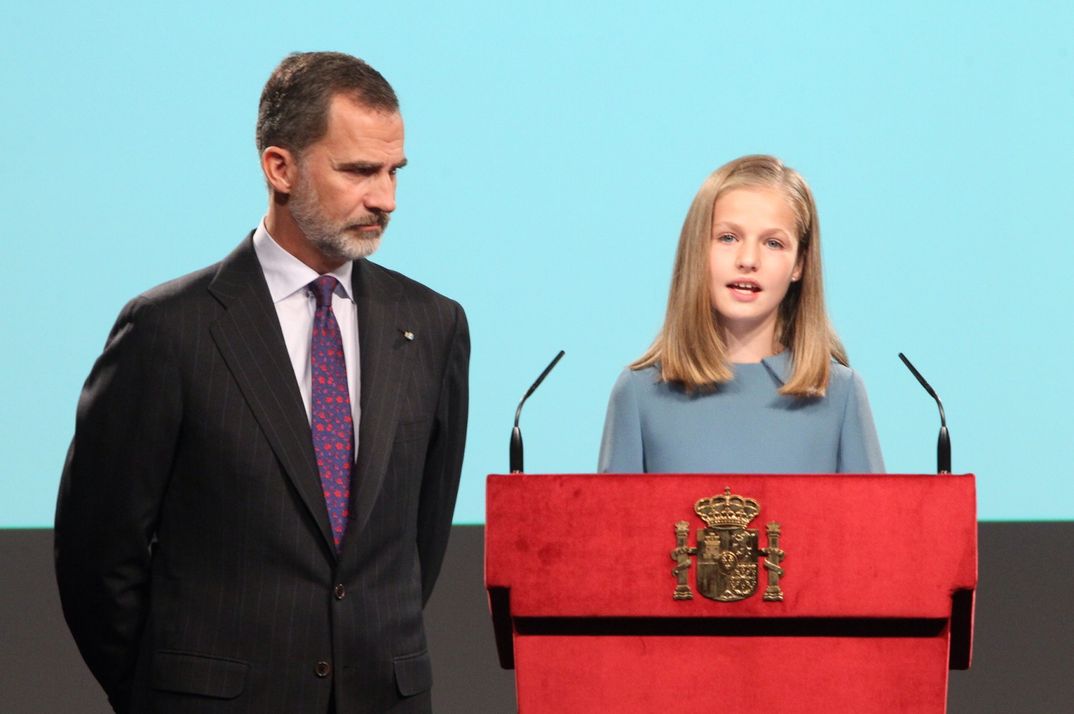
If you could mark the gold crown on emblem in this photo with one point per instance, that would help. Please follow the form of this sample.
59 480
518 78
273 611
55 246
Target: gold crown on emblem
727 510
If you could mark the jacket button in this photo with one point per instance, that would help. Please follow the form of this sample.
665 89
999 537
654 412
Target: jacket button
340 592
323 669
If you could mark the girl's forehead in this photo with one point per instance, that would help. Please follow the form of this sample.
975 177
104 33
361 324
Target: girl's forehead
774 199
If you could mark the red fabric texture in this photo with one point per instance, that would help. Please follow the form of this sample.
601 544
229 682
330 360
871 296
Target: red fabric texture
780 675
862 546
597 546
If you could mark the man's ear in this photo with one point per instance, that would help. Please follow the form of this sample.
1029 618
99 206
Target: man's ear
280 168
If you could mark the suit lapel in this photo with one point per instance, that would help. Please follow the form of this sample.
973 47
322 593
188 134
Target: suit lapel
249 337
385 354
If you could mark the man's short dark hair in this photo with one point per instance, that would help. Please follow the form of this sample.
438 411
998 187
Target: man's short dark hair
293 112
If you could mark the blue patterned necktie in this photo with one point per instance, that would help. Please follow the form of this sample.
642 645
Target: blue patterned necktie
330 408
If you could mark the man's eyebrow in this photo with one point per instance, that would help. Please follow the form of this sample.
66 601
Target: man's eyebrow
366 165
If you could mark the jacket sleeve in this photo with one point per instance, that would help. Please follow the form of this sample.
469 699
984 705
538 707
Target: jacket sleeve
443 461
113 481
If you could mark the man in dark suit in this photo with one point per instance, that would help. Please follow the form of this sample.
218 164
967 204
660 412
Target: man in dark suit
258 495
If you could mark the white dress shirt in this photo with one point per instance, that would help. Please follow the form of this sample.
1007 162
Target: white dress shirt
288 281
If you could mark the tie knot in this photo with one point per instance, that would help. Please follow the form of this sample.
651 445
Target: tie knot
322 288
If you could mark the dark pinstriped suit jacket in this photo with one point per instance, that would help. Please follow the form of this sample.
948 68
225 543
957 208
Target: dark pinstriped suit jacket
193 549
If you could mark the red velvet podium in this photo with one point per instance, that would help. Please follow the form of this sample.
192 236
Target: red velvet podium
876 574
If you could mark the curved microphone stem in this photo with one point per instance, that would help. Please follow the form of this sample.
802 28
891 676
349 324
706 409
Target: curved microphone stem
516 433
943 443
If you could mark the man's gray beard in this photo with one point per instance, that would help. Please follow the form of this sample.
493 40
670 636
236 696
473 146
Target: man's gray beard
340 245
331 240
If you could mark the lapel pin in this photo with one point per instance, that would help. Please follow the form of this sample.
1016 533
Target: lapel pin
408 335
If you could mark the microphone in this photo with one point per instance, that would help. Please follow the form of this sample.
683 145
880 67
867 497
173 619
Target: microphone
516 433
943 444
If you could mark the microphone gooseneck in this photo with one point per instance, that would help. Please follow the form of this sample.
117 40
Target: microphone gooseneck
516 433
943 443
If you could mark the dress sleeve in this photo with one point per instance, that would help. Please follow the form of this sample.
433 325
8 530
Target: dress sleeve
859 447
621 446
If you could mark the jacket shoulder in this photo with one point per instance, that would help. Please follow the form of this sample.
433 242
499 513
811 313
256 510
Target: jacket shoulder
178 290
410 289
171 304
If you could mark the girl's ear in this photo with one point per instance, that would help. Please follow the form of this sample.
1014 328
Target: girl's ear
799 261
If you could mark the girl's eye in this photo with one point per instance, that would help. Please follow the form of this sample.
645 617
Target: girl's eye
726 238
774 244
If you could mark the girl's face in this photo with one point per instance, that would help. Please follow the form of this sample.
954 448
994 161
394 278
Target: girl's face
753 258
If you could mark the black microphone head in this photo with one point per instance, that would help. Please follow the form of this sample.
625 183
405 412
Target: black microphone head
515 457
943 451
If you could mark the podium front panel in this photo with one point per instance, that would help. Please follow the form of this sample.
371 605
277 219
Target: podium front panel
855 546
876 577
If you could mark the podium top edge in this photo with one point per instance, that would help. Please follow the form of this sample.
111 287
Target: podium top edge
736 475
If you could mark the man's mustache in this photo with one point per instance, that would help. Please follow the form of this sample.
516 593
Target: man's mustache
377 218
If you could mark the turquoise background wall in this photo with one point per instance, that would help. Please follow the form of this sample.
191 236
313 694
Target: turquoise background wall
554 149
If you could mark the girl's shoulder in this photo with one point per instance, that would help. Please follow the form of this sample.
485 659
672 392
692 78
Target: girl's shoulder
843 379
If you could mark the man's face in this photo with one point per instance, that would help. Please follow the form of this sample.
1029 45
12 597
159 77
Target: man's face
345 189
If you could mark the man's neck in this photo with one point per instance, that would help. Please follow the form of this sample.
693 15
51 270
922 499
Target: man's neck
282 227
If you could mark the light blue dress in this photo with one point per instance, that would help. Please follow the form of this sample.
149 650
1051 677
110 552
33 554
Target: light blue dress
745 426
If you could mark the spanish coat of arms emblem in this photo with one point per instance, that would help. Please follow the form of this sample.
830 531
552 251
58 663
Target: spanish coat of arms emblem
727 551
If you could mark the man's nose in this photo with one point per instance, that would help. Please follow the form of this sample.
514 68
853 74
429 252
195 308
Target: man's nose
381 195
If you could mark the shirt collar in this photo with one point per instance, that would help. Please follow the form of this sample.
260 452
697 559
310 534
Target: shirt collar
286 274
779 365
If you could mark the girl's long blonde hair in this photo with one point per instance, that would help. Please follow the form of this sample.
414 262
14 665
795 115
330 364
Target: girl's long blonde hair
690 350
